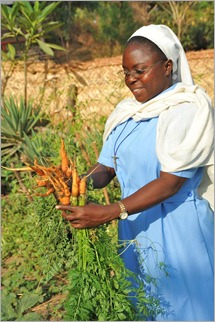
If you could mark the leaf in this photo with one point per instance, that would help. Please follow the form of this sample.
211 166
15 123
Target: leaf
48 9
45 47
18 31
4 56
27 302
32 316
5 11
26 8
56 46
36 6
14 10
7 35
52 25
9 153
7 311
12 51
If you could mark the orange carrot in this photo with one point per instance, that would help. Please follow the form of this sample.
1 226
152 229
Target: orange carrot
64 158
50 191
37 170
64 200
75 182
42 183
65 188
69 172
57 180
83 185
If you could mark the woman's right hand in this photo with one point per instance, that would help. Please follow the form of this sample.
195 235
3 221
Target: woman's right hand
90 215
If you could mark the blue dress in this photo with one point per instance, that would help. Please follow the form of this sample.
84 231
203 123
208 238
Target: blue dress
172 241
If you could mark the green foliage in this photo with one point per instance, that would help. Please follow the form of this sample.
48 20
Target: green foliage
10 54
100 288
108 23
9 16
17 121
185 18
105 22
35 147
30 21
39 247
18 292
111 23
201 30
13 225
36 251
54 247
37 244
13 309
94 286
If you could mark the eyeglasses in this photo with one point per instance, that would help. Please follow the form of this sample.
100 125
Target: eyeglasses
138 73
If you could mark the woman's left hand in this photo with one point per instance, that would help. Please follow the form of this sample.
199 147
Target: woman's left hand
90 215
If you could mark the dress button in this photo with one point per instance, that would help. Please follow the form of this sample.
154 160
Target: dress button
189 194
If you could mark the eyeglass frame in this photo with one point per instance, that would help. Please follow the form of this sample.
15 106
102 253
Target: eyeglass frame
138 73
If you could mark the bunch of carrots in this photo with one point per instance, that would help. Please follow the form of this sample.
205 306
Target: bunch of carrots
63 181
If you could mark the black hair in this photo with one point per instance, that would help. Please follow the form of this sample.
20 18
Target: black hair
147 43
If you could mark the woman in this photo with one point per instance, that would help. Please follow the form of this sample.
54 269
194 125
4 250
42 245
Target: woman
158 144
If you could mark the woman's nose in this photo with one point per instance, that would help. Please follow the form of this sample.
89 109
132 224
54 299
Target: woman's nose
131 78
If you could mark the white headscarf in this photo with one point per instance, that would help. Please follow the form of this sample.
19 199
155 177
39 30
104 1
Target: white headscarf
170 45
192 147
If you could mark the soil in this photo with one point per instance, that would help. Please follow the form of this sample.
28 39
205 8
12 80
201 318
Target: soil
96 82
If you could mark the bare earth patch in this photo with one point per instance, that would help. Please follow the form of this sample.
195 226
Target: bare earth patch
98 85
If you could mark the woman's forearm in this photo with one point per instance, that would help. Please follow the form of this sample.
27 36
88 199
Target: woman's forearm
92 215
100 175
153 193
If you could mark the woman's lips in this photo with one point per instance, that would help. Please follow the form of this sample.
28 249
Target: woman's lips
137 90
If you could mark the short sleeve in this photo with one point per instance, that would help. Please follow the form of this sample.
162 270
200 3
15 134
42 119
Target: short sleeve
185 173
106 154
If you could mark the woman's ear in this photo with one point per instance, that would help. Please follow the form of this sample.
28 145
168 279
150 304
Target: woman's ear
168 66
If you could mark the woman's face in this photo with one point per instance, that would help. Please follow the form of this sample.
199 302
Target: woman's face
156 76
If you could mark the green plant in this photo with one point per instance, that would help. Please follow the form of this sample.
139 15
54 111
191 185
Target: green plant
29 21
36 249
35 147
100 287
39 248
15 308
186 20
113 29
8 56
97 290
17 120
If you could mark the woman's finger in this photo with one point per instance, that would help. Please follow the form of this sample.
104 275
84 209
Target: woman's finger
62 207
76 224
67 216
